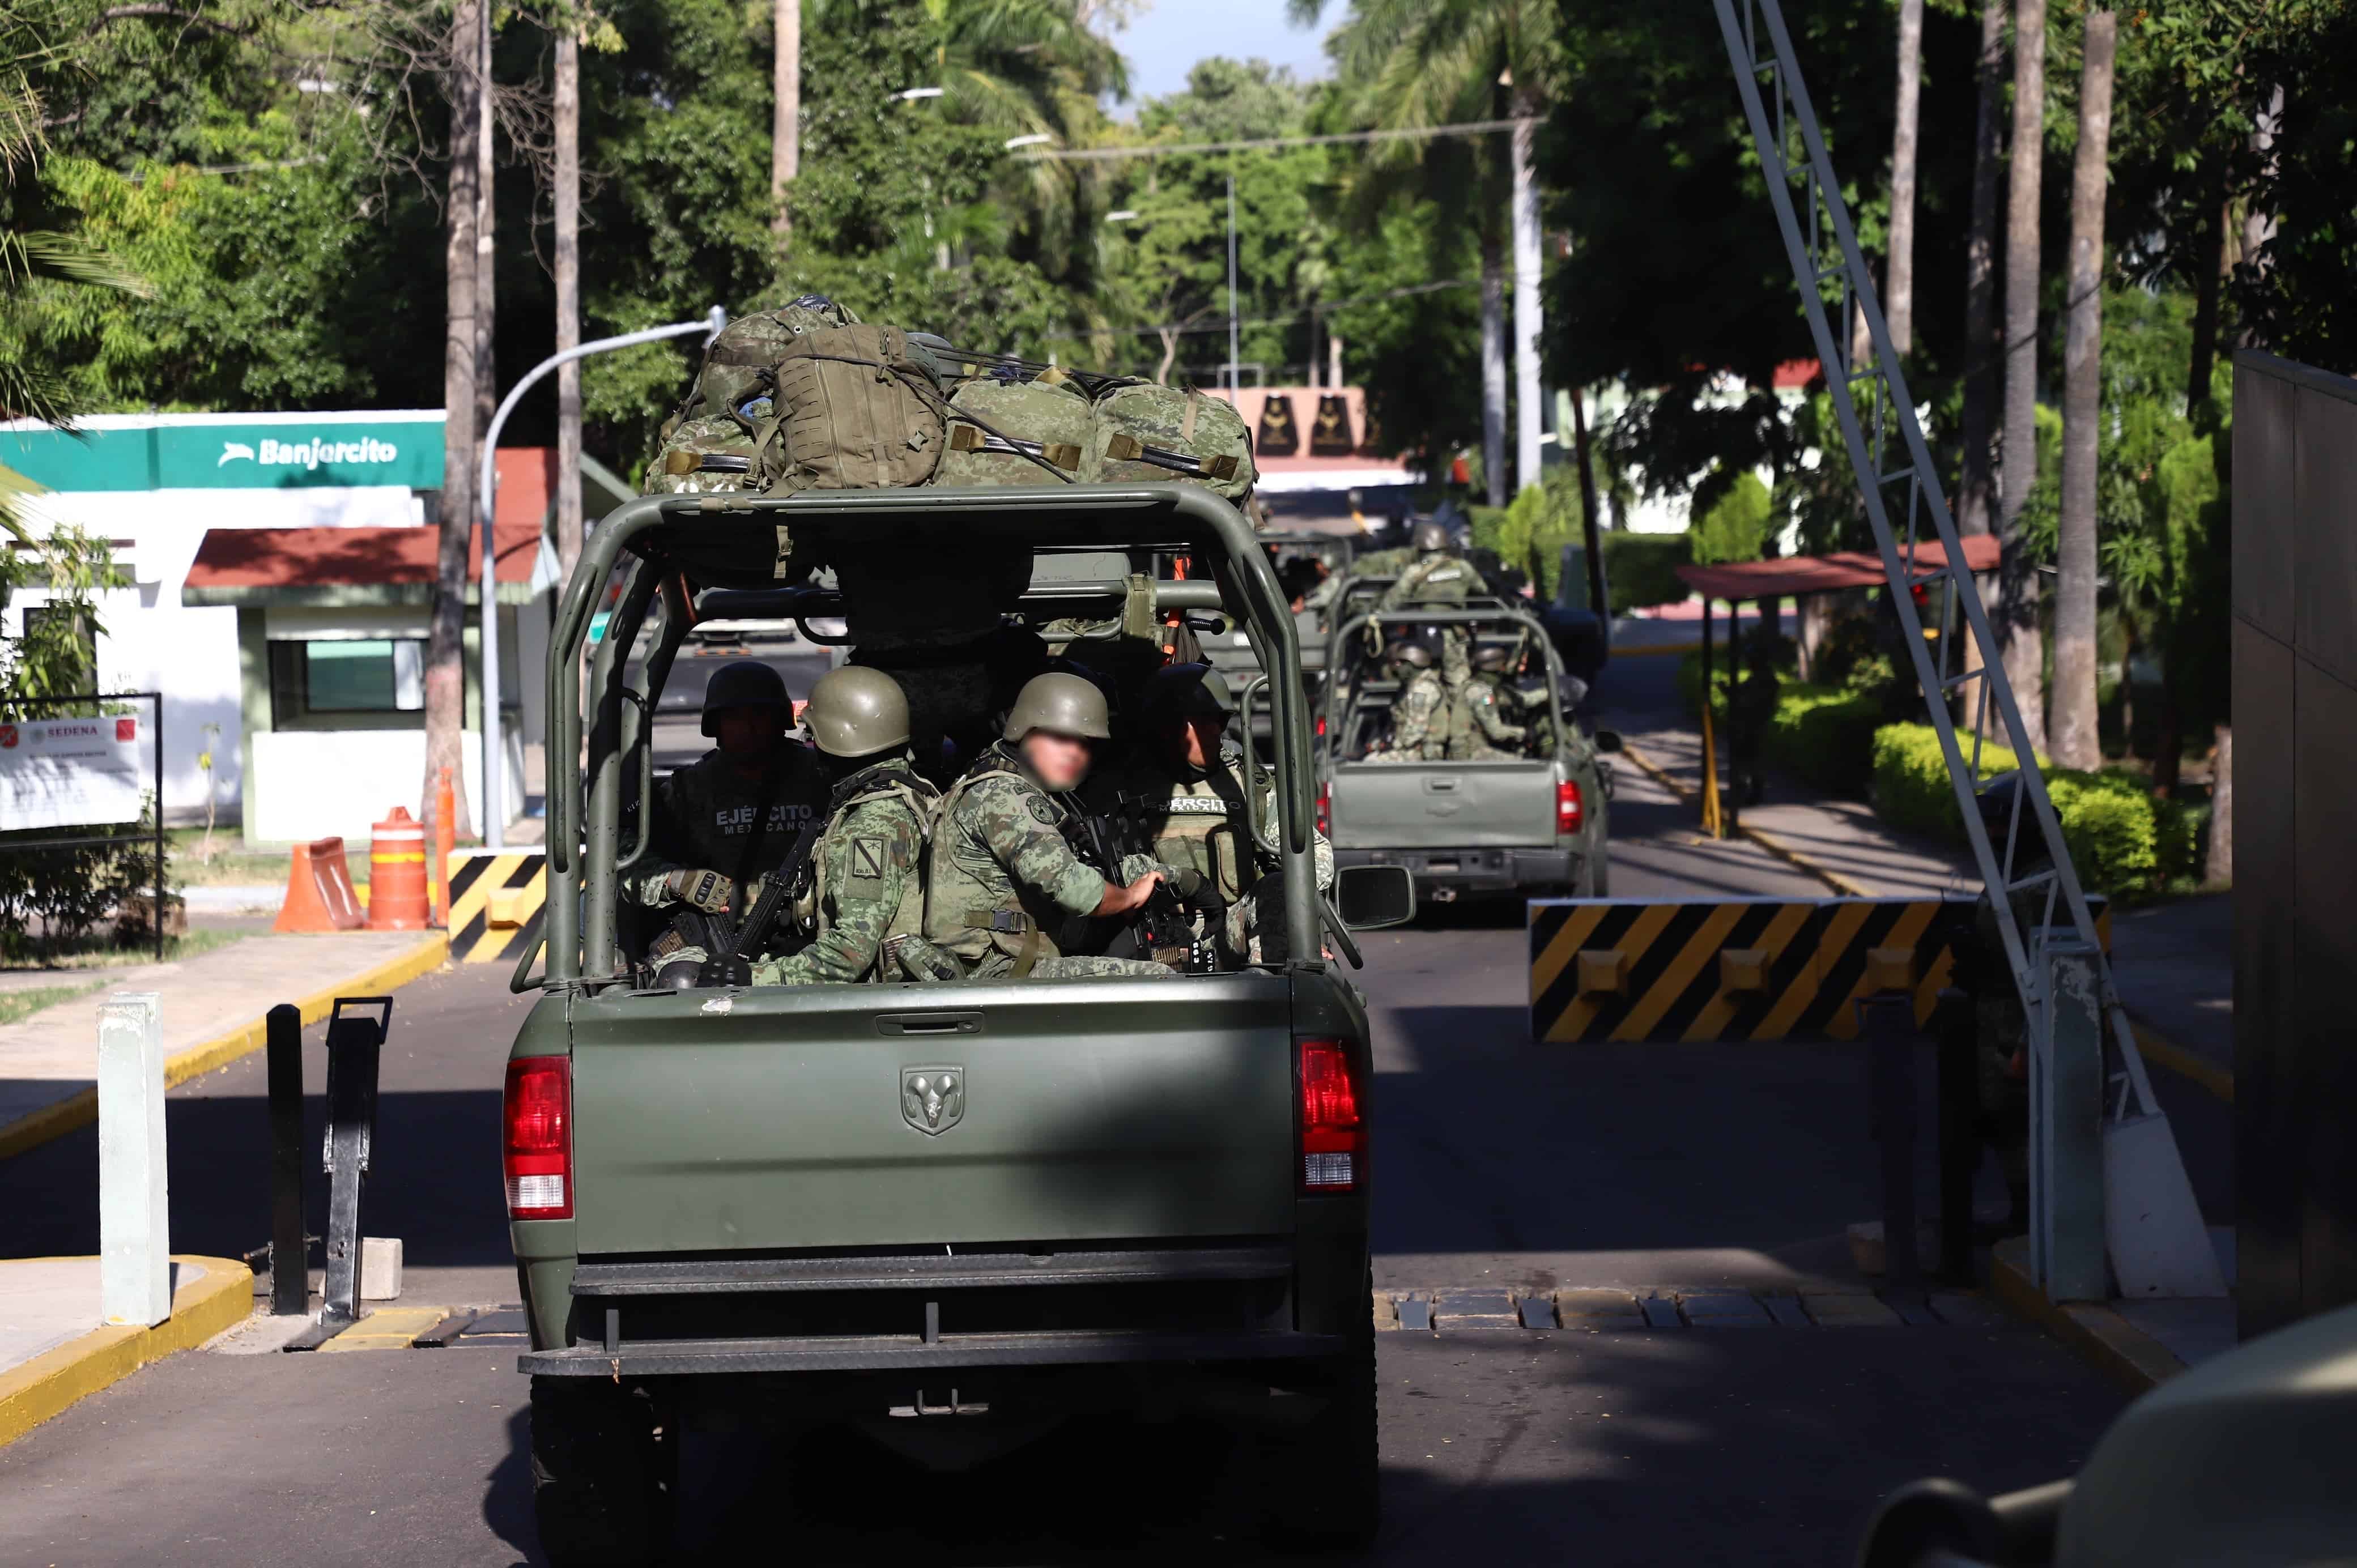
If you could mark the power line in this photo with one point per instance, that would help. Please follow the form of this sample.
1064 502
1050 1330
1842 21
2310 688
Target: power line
1155 150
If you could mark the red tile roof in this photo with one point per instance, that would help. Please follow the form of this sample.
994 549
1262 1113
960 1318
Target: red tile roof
370 557
1793 575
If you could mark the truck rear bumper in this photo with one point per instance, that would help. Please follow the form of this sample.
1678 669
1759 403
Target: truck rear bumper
1457 871
894 1353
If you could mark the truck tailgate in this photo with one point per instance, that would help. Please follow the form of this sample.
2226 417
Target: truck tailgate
792 1118
1442 805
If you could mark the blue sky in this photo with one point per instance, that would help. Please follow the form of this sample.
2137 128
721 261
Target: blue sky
1167 36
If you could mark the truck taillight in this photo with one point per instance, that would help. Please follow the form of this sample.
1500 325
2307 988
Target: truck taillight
1568 810
538 1149
1325 813
1333 1129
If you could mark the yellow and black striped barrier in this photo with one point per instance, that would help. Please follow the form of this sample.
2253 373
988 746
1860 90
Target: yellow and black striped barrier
1736 969
497 899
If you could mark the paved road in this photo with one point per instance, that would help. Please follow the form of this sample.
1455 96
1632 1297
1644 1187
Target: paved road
1500 1163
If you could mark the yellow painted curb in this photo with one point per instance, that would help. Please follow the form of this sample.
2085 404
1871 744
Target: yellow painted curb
2160 1050
51 1120
385 1328
54 1379
1775 846
2113 1344
1655 650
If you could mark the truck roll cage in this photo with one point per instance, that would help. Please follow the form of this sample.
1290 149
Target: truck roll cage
675 546
1338 650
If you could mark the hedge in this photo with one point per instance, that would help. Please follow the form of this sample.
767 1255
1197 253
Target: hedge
1824 736
2110 823
1641 569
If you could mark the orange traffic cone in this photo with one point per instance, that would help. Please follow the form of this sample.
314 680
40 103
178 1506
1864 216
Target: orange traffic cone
397 873
319 896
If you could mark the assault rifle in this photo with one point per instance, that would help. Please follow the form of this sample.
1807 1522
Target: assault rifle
728 965
1159 929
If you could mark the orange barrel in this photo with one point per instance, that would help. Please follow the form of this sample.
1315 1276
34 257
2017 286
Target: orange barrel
397 873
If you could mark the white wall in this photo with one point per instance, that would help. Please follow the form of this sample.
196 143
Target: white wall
310 784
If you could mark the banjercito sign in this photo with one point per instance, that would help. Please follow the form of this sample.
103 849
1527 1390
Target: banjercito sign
231 451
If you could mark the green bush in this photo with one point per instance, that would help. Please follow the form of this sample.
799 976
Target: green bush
1824 736
1641 569
1530 534
2182 833
1738 524
2110 822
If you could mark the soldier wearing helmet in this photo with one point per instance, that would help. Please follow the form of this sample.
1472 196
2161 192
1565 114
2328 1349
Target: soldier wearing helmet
1474 728
724 822
1183 788
1439 577
865 904
1005 891
1415 734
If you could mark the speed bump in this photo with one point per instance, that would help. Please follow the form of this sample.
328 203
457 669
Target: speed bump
498 901
1738 969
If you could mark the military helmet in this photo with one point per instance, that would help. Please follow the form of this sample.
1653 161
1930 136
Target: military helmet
1411 653
743 683
1493 656
1191 690
1432 536
1060 705
857 712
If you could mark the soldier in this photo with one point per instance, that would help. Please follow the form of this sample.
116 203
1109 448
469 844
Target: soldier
1005 892
1183 788
724 822
1414 737
866 901
1438 576
1474 727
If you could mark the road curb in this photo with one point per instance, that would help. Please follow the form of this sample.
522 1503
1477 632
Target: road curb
2103 1339
2159 1050
1769 842
53 1120
55 1379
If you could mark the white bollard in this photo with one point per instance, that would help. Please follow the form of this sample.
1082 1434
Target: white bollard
135 1240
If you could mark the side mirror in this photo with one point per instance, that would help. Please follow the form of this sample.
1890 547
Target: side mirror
1369 897
1609 740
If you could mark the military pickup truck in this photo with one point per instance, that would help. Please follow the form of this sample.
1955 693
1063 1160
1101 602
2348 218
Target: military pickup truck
1534 823
950 1215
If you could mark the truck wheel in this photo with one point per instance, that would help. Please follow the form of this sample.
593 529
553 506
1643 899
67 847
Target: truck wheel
604 1473
1322 1491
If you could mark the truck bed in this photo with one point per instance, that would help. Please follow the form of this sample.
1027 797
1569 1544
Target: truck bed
1443 805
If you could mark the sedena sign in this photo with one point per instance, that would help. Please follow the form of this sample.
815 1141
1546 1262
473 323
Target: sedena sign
231 451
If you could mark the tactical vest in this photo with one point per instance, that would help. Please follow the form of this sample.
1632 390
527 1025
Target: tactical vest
971 919
898 780
1202 820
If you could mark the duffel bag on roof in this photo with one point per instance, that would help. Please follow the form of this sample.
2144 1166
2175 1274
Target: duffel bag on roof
1155 434
1007 432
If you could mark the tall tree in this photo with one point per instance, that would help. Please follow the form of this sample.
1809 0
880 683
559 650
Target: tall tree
1976 489
785 114
2017 631
566 130
445 682
1899 272
2072 730
1527 393
487 376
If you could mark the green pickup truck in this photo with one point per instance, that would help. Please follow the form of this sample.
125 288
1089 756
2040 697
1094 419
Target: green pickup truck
1534 823
946 1214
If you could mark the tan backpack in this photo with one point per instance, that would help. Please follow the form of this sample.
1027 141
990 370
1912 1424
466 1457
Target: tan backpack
856 409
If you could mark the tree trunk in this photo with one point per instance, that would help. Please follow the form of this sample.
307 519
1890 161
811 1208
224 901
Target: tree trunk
2211 266
785 116
486 374
2219 869
2018 583
1494 370
1591 520
445 680
2077 744
568 302
1975 492
1527 394
1899 272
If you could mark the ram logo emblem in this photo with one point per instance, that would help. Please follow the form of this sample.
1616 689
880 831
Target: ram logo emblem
933 1098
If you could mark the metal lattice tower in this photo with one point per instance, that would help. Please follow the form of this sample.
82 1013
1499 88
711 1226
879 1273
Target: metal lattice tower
2157 1242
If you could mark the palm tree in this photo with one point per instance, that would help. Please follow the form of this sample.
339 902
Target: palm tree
2073 732
785 117
2025 664
1412 64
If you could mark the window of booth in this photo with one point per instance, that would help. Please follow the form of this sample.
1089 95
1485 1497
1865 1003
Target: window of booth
340 676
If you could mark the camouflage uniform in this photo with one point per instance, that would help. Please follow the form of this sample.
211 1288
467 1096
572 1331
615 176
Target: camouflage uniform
864 884
1473 728
1004 893
1416 713
1444 579
704 821
1196 822
1541 738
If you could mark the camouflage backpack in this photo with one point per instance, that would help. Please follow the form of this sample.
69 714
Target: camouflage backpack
1004 432
1144 433
710 443
855 408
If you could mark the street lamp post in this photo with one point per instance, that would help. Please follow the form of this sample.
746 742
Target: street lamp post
494 779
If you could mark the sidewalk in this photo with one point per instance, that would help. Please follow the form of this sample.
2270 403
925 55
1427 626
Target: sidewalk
212 1007
54 1350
